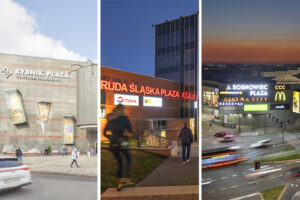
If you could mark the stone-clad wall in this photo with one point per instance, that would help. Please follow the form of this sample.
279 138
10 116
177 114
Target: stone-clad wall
61 92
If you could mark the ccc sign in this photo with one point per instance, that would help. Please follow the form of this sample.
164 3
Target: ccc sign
280 96
279 87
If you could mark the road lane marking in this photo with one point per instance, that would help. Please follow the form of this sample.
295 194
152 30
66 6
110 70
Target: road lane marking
280 175
251 183
235 186
234 175
244 172
211 191
222 189
213 180
246 196
224 177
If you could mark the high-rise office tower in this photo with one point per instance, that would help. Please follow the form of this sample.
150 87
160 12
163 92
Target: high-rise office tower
176 57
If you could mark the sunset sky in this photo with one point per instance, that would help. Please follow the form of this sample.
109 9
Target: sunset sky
251 31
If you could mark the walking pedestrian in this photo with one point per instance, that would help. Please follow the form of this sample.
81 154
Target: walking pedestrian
74 157
64 152
19 154
118 123
186 137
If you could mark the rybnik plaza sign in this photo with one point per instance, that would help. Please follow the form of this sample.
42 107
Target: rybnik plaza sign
34 74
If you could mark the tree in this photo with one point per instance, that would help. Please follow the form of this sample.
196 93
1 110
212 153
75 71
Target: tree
140 126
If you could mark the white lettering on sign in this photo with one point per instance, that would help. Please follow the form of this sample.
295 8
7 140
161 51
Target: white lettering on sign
279 107
129 100
249 87
258 93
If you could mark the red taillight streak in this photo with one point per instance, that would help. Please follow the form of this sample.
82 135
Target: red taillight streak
8 170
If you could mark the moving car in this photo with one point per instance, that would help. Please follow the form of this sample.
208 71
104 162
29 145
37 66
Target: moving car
294 172
221 134
13 174
262 143
206 181
228 138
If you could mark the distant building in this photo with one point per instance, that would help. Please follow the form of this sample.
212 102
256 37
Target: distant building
176 57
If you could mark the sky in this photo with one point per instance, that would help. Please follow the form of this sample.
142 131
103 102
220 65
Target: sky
251 31
54 29
127 35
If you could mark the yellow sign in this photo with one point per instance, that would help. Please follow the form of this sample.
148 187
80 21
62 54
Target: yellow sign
280 96
296 102
15 106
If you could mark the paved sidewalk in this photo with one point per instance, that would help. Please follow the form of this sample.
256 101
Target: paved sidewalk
172 172
61 165
170 180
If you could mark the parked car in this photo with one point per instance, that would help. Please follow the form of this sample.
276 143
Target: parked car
221 134
228 138
13 174
262 143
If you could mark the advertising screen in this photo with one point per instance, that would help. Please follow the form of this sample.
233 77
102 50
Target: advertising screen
256 107
152 101
128 100
68 123
296 102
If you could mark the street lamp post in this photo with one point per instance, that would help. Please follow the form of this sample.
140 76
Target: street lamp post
240 120
265 123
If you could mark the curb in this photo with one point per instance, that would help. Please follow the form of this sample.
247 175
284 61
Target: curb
58 173
283 191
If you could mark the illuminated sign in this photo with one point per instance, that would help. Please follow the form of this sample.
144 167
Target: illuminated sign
231 92
15 106
231 104
246 99
279 87
247 87
296 102
152 101
144 90
256 107
279 106
129 100
280 96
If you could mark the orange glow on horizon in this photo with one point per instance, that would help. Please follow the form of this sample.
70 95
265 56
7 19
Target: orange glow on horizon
251 52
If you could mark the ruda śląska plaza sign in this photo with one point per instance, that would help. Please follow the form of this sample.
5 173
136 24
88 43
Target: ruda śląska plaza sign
144 90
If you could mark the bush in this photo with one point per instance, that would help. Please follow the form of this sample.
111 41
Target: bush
49 149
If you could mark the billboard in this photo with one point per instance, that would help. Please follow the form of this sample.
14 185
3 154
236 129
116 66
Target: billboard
152 101
256 107
296 102
44 109
128 100
68 125
15 106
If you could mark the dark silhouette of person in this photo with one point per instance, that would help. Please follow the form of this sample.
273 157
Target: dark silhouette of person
117 124
186 137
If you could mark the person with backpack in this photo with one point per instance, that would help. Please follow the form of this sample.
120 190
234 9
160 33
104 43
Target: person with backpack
186 138
117 124
74 157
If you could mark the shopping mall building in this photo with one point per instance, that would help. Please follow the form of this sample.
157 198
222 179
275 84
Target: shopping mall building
151 99
47 102
263 102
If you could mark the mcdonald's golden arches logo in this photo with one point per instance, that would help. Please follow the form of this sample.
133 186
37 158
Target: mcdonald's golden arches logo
280 96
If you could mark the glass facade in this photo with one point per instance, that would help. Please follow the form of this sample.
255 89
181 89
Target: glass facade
176 56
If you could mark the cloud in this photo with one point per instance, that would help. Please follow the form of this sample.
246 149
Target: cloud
19 35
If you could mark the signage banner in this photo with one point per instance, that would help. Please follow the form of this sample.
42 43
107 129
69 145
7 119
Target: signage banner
44 109
279 106
152 101
15 106
296 102
68 125
129 100
256 107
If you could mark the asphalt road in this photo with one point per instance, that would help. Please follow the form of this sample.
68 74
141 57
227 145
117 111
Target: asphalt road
55 187
230 182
